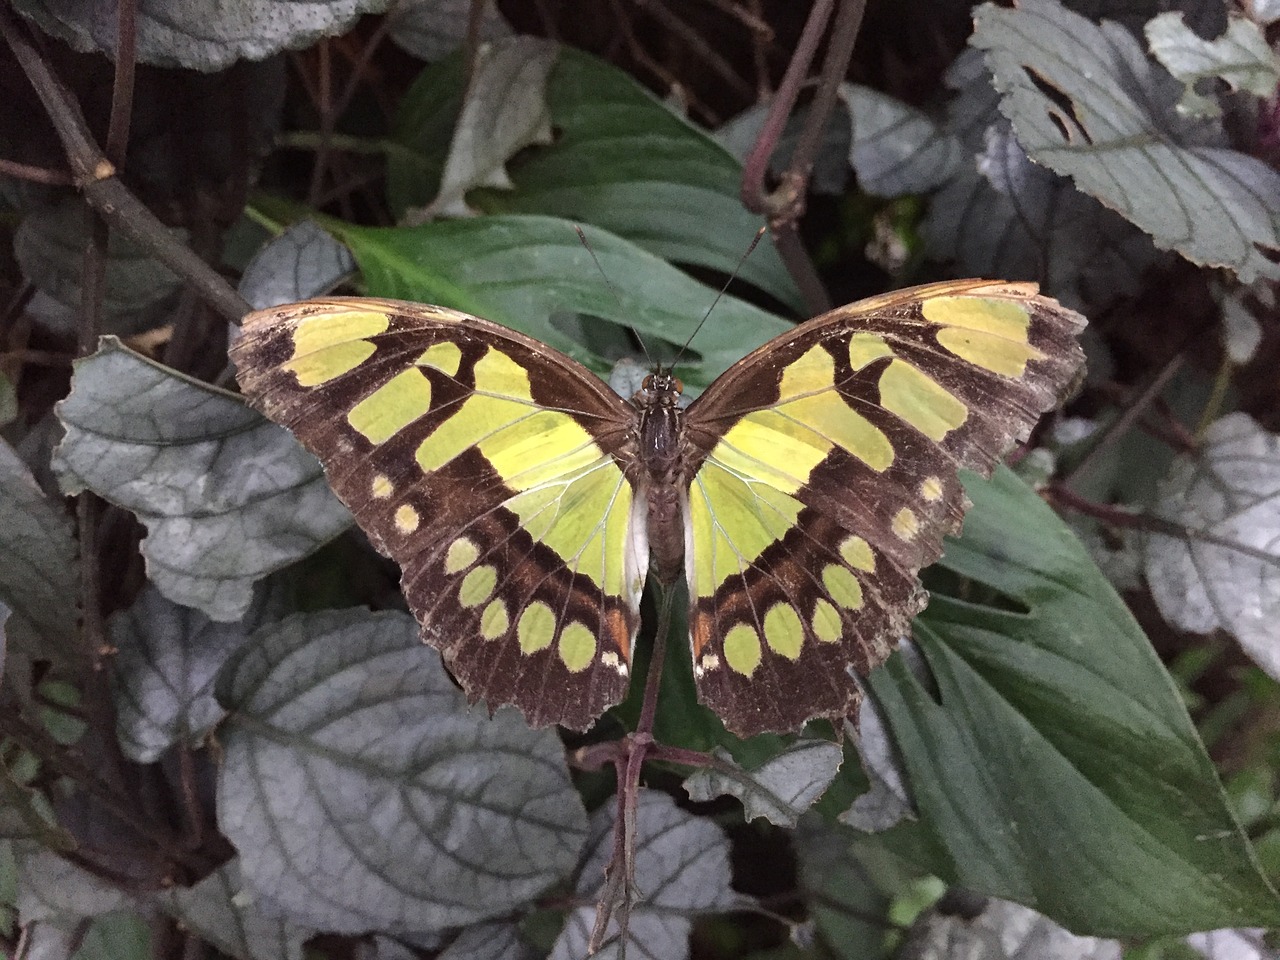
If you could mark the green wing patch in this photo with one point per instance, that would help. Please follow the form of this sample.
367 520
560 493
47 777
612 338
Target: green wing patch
829 479
483 463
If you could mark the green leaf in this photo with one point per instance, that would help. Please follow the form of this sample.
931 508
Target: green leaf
1055 737
51 888
205 35
49 247
505 110
1225 572
780 789
621 161
304 261
1086 102
123 935
40 578
896 148
522 270
1241 57
681 867
167 658
218 910
227 496
430 30
848 891
362 793
489 941
1000 215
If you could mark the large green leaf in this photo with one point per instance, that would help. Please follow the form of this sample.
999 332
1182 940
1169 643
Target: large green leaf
523 270
226 496
620 160
363 794
1055 764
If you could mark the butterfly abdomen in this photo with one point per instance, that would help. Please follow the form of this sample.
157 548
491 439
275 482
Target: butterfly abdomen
662 472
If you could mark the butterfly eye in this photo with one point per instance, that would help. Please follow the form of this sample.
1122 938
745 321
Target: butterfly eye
677 385
647 384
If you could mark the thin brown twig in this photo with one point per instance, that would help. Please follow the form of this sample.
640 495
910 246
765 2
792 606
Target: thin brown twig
96 178
25 171
756 167
751 19
1121 425
760 55
361 63
324 107
122 83
1063 496
708 54
638 53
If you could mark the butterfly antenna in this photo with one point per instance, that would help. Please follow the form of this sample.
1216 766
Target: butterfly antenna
733 276
612 289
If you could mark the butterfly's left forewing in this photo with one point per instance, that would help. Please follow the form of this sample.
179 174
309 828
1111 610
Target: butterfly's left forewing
488 466
829 479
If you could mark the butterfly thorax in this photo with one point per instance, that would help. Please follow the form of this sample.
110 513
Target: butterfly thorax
661 471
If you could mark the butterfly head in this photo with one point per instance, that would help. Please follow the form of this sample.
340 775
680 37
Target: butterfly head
662 388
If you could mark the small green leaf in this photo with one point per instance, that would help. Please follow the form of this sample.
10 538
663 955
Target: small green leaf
1241 56
40 578
51 888
167 658
430 29
1056 737
681 867
895 148
780 789
1087 103
304 261
1225 573
522 270
362 793
849 893
205 35
218 909
124 935
505 110
227 496
489 941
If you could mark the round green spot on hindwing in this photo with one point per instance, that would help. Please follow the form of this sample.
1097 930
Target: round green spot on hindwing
536 629
856 552
842 586
461 554
478 586
494 622
577 647
827 626
742 649
783 631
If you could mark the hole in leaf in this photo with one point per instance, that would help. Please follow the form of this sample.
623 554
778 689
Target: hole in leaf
1072 129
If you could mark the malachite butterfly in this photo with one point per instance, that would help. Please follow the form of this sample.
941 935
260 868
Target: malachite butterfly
799 496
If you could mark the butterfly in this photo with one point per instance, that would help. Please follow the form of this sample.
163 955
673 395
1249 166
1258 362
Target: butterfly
799 496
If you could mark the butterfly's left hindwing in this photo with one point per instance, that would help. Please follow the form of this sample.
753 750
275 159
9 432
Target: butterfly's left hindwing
828 478
507 509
